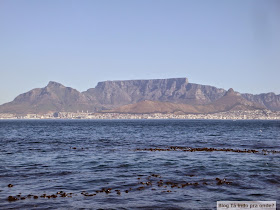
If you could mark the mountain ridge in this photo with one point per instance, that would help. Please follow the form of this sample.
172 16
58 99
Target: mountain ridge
109 95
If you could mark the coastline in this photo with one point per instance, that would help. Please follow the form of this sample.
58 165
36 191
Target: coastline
230 115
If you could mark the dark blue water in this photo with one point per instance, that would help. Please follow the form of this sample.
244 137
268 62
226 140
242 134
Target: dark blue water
106 164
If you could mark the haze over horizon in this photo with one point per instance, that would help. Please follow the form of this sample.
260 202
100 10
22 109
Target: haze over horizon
227 44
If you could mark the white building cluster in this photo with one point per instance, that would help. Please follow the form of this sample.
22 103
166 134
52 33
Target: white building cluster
231 115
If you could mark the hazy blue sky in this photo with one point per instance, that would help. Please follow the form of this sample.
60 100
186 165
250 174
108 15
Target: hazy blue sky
78 43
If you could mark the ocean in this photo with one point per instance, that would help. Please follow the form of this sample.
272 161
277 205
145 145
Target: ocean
137 164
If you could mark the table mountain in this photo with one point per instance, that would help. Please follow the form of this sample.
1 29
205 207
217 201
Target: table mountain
176 90
110 95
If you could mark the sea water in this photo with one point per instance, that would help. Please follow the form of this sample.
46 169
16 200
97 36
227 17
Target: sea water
130 164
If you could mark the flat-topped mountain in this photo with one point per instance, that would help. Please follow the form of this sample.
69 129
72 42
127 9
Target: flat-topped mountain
110 95
176 90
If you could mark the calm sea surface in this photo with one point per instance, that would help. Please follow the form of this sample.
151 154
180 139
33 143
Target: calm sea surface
70 164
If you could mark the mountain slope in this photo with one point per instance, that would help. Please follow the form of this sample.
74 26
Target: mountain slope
269 100
110 95
52 98
230 101
148 107
113 94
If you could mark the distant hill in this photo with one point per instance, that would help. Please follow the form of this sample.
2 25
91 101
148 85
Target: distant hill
269 100
229 102
110 95
54 97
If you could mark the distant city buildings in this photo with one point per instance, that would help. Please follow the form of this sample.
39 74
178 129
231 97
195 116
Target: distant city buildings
230 115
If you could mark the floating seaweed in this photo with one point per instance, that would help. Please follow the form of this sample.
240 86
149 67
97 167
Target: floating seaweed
151 183
206 149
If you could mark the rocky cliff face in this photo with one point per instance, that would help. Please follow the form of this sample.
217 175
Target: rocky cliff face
113 94
117 93
269 100
231 101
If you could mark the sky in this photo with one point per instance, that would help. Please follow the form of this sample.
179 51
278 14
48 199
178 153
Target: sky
227 44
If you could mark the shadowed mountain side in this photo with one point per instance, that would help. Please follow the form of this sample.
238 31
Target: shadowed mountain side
230 101
269 100
147 107
110 95
52 98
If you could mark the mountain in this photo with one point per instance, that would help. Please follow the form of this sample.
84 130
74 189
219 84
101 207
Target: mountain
229 102
109 95
269 100
176 90
54 97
